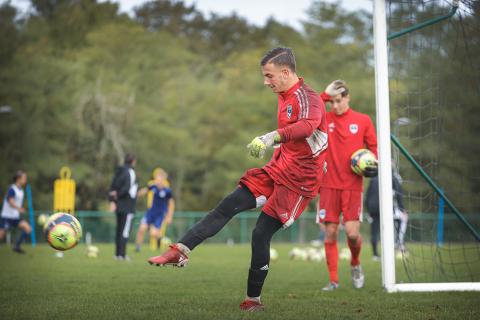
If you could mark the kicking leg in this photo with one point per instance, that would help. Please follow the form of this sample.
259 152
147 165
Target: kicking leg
239 200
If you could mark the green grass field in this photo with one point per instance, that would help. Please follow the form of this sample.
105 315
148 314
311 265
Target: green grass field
39 286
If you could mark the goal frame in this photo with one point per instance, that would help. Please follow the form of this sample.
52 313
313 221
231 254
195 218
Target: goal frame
382 98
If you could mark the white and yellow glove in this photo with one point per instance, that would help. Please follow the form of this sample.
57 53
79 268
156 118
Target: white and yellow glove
259 145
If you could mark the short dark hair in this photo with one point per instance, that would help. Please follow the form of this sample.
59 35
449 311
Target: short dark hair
280 57
342 84
129 158
18 175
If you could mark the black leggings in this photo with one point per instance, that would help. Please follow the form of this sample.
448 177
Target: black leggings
262 234
239 200
124 227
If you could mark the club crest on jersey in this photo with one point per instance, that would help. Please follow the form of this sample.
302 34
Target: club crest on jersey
322 213
289 111
331 126
354 128
162 194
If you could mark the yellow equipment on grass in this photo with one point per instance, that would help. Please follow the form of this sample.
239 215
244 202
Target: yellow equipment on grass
64 192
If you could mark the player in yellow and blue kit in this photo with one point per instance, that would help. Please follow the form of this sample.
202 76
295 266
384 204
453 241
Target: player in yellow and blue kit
161 210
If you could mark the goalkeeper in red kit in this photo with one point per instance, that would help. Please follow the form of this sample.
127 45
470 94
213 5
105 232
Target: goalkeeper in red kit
341 189
283 187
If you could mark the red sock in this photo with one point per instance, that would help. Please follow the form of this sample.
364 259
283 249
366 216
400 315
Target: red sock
331 252
355 248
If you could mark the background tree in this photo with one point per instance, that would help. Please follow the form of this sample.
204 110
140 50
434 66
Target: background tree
183 91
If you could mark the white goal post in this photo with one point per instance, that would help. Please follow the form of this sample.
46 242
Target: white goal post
385 167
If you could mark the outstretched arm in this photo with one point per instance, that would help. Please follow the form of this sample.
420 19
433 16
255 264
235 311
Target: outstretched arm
142 192
296 131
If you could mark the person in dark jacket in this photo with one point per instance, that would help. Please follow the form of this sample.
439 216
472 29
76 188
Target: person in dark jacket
122 196
399 213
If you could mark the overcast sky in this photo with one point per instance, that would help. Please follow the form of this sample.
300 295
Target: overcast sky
255 11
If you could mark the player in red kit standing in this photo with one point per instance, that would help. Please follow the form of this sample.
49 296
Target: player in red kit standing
284 186
341 189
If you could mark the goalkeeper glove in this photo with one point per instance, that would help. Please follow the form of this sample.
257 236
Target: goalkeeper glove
370 171
335 88
259 145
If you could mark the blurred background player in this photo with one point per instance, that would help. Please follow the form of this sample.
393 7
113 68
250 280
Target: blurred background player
341 189
122 196
373 208
12 211
161 210
284 186
400 214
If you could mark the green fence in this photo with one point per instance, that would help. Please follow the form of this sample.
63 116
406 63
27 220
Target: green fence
101 225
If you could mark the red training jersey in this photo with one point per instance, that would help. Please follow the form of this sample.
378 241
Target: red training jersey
347 133
303 130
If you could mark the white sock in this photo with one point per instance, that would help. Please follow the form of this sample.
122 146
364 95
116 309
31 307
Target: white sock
257 299
183 248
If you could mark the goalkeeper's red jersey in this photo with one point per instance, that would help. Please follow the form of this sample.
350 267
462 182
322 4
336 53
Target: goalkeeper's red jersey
302 125
347 133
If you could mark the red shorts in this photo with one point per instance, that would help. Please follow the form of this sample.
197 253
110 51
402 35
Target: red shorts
335 201
277 200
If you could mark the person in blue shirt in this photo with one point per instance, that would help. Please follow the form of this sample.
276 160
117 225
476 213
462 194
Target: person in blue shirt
12 210
161 209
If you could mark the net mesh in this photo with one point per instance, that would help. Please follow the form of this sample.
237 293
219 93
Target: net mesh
435 111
